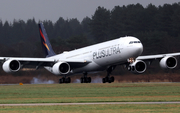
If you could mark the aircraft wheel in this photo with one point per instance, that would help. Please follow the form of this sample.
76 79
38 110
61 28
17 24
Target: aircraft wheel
68 80
63 80
82 80
109 80
112 79
104 80
60 81
85 80
89 80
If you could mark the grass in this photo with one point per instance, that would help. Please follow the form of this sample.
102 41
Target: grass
116 92
75 93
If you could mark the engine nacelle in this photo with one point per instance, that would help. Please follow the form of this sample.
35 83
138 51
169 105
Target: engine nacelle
11 66
137 67
168 62
61 68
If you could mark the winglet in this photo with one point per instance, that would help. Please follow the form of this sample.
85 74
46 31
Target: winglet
45 41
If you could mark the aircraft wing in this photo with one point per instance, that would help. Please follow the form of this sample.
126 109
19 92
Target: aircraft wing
166 61
45 61
154 57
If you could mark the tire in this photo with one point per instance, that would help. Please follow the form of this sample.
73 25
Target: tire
89 79
109 81
82 80
68 80
63 80
112 79
60 81
104 80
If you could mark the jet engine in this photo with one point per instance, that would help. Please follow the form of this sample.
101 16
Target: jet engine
61 68
11 66
137 67
168 62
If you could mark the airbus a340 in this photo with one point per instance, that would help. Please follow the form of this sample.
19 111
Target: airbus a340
94 58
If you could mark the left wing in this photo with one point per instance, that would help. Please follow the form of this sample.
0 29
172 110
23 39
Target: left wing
166 61
153 57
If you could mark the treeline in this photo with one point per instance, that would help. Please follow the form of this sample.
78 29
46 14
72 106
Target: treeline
157 27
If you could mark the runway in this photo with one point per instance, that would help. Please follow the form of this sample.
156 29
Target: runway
98 103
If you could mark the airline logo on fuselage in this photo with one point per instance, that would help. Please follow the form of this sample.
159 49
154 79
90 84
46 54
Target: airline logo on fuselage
109 51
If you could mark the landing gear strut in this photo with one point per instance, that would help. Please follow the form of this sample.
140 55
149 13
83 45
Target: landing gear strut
108 78
65 80
85 79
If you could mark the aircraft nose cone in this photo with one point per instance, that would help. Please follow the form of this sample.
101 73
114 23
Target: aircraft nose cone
139 49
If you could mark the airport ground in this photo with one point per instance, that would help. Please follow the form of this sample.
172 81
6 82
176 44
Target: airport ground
91 93
156 108
43 76
42 89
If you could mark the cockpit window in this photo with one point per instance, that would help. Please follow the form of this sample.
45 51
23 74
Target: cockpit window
135 41
131 42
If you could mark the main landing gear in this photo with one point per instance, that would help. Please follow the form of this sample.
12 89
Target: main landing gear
85 79
108 78
65 80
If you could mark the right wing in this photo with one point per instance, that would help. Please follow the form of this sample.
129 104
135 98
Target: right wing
13 64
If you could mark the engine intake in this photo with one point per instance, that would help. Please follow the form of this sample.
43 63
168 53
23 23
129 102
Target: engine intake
61 68
11 66
137 67
168 62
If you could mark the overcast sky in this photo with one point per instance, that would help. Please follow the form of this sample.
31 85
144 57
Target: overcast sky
53 9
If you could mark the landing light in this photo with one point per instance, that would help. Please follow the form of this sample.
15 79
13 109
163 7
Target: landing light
131 60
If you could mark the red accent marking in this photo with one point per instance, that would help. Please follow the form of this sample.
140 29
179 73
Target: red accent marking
42 35
46 46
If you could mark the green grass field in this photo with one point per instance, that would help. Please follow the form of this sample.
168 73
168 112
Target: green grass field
77 93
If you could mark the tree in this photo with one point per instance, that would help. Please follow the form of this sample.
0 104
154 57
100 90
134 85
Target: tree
6 34
75 26
175 23
100 24
62 29
86 29
77 42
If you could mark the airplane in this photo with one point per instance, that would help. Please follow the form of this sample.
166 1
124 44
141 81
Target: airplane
99 57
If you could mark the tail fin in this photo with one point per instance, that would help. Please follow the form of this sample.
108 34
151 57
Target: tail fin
45 41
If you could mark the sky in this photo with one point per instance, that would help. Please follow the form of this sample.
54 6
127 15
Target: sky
53 9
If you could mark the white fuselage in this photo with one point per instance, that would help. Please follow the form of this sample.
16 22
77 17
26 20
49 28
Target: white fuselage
103 55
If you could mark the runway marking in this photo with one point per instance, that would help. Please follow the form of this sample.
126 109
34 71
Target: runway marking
98 103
